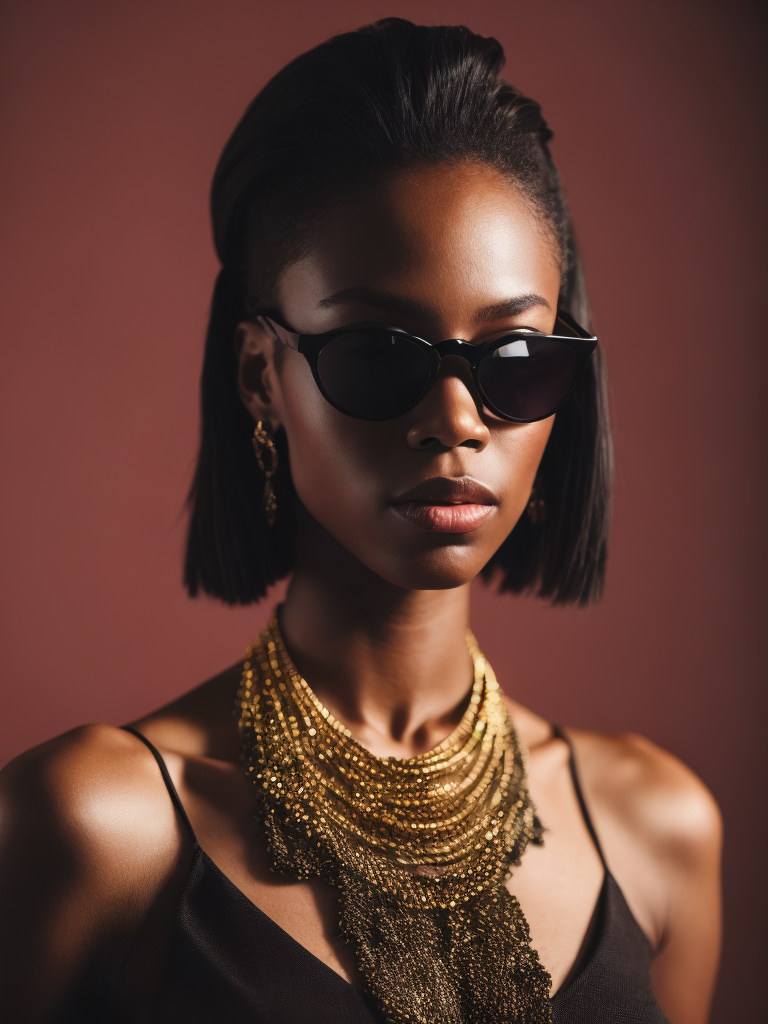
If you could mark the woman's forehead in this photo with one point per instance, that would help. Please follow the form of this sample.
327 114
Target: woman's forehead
423 235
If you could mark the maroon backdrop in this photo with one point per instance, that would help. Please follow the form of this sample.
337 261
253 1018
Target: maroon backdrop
113 116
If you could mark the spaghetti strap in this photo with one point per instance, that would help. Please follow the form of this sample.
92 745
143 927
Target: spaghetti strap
558 732
166 779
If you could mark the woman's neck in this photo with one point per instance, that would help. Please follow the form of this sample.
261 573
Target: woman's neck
392 664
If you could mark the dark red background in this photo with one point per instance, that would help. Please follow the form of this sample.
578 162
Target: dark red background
113 116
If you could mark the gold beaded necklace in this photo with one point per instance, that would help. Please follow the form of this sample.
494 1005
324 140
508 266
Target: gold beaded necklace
419 848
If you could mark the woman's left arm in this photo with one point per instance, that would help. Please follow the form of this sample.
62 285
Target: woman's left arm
661 832
685 967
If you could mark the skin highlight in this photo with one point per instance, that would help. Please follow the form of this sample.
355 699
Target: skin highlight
375 619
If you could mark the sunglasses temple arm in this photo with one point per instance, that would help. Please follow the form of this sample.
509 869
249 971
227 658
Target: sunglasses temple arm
278 333
574 328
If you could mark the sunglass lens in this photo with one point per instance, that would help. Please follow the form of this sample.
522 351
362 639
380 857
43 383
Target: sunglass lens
528 378
373 374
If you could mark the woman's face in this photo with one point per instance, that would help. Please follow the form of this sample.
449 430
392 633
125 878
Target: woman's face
446 251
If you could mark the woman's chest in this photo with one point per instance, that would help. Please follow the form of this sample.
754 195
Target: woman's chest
557 884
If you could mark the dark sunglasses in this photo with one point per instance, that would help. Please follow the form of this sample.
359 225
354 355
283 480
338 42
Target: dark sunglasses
377 373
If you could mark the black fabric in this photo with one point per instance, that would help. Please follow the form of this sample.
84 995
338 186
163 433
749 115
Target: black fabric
228 963
614 983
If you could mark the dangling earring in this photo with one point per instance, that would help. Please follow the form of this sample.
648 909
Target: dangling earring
536 507
266 456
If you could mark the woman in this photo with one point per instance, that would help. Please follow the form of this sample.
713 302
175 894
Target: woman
399 393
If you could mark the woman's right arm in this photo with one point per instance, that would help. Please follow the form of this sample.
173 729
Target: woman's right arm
88 839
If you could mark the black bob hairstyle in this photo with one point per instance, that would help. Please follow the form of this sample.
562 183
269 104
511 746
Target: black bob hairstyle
359 106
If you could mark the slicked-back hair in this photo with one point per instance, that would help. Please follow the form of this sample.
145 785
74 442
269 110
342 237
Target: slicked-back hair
362 105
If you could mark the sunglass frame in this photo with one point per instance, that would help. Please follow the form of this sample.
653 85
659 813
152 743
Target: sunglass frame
580 341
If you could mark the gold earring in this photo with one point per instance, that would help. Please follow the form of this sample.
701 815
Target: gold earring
266 456
536 507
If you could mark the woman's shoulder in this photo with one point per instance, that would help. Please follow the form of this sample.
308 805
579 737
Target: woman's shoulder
88 845
661 834
82 774
86 798
646 791
634 789
100 785
658 825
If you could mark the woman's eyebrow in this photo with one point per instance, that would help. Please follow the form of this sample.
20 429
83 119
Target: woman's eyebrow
511 307
377 297
382 299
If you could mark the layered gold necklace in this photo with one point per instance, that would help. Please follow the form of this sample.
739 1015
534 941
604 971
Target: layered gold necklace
419 848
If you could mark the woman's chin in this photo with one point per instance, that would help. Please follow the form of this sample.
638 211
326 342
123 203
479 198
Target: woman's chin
443 569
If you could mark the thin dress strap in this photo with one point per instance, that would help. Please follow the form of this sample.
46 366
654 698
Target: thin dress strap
558 732
166 779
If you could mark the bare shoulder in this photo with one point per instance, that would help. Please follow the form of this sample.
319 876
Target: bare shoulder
660 830
638 787
88 846
94 795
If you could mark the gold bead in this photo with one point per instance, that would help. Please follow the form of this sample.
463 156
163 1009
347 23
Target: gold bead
422 836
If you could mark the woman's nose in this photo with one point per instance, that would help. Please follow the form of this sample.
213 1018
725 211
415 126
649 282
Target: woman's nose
450 414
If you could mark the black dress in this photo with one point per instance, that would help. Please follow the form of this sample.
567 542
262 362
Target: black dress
228 963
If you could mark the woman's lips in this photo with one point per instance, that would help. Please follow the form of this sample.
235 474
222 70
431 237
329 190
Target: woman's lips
462 518
447 504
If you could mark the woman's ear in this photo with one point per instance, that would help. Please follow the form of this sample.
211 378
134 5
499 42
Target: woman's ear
257 382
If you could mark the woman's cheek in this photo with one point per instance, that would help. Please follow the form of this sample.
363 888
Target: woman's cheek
326 482
331 478
520 448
